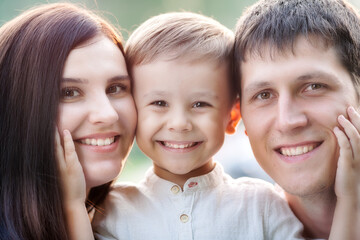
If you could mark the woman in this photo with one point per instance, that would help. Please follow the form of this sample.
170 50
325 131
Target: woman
45 81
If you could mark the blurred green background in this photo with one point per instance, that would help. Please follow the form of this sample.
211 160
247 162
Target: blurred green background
236 155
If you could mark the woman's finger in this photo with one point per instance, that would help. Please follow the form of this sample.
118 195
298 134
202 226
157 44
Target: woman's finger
69 148
59 150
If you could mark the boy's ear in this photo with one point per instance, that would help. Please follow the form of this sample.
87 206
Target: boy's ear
235 118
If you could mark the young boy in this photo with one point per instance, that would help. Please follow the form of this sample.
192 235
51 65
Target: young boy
181 65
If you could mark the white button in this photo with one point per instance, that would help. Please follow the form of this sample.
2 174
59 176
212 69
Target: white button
184 218
175 189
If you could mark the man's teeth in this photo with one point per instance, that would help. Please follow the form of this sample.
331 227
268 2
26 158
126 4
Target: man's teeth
178 146
294 151
98 142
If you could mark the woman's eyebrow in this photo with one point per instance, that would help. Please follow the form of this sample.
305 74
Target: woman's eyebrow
119 78
75 80
83 80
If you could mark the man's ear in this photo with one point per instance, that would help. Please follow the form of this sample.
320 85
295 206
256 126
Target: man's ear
234 119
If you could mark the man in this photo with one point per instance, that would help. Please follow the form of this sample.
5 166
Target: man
299 74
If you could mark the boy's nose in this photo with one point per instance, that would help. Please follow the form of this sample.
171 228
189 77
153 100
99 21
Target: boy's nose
102 111
178 121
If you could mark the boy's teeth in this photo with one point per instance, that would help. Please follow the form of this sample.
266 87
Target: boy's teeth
178 146
98 142
295 151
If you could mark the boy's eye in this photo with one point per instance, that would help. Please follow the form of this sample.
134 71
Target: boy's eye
114 89
69 93
200 104
160 103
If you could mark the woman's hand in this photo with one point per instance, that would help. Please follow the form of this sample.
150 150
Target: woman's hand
71 172
74 189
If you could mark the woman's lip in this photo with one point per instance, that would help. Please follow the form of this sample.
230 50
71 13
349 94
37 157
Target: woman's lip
101 149
99 136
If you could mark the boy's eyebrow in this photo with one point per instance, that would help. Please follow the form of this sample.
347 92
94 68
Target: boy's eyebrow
206 94
83 80
156 93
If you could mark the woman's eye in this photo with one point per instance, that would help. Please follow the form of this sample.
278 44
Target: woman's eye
200 104
115 89
69 93
263 95
160 103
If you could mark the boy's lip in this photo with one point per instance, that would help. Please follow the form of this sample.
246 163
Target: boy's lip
178 144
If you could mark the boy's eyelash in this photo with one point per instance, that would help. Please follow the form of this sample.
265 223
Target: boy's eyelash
159 103
201 104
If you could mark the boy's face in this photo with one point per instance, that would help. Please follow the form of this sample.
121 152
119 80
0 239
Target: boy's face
183 111
290 106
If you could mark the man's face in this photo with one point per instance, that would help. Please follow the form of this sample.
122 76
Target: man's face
289 104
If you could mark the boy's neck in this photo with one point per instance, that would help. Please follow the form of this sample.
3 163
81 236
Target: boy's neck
315 212
180 179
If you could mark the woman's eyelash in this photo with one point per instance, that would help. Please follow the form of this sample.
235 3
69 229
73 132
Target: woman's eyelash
69 92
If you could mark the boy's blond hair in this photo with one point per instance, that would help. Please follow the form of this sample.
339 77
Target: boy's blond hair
181 35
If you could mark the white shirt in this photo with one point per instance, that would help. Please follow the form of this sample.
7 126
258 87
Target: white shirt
211 207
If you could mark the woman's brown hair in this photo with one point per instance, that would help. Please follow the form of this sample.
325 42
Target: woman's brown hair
33 50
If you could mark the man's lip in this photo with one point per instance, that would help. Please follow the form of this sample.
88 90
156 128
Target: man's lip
288 147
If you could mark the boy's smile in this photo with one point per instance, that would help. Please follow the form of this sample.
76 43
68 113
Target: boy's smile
179 146
183 110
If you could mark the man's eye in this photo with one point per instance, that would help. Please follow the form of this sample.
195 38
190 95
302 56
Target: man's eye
114 89
160 103
68 93
264 95
314 86
200 104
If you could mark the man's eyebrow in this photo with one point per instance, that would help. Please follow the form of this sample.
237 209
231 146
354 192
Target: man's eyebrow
262 84
257 85
318 75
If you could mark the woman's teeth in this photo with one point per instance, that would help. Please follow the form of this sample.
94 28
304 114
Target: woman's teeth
295 151
178 146
98 142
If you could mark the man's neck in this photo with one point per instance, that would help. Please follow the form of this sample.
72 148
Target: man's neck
315 212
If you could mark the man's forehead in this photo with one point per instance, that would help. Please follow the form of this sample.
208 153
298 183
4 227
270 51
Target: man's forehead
269 50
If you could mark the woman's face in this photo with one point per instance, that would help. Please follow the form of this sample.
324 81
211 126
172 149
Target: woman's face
98 109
